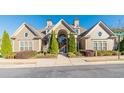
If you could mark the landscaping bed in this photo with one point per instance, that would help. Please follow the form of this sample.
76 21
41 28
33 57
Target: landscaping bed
74 55
33 54
45 55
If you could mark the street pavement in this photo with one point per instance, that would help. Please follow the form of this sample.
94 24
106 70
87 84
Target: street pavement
83 71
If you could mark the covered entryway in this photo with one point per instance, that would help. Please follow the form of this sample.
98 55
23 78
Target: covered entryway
63 41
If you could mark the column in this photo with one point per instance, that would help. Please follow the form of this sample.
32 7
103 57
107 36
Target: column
39 44
13 45
75 40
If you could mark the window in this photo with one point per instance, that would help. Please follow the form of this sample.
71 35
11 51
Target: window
26 34
95 45
21 46
25 45
100 45
99 33
104 45
30 45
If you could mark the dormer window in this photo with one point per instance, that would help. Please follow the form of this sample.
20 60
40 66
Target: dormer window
26 34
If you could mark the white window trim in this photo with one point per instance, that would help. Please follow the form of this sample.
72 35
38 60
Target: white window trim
97 44
24 44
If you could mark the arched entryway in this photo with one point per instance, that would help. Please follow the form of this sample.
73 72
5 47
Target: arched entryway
63 41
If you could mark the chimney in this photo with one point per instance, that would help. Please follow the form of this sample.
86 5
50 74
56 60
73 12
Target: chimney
76 22
49 23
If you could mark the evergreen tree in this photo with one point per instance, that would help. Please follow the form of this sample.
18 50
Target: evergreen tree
6 46
53 44
72 44
122 45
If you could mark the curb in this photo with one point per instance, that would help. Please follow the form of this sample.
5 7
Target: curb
60 65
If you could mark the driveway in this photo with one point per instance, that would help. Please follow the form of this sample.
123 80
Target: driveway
84 71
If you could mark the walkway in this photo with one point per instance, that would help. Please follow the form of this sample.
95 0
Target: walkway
62 59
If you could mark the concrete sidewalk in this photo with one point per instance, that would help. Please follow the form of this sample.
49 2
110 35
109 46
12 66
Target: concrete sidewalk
61 60
49 62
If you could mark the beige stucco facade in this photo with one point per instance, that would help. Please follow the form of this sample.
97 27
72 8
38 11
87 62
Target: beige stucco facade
36 43
87 42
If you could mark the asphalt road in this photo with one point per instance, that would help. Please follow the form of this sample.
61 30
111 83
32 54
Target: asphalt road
85 71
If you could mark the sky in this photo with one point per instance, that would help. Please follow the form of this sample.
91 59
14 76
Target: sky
11 22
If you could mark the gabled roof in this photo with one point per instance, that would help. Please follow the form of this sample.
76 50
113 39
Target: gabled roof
65 24
32 29
101 24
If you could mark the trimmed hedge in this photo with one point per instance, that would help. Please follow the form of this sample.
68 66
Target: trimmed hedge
25 54
106 53
45 55
10 55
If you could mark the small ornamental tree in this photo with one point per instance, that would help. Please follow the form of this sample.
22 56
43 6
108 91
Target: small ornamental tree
6 47
72 44
53 48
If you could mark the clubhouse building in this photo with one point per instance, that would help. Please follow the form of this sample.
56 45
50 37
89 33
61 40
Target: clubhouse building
99 37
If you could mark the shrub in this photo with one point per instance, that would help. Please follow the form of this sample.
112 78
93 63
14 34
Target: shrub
39 55
89 53
25 54
115 53
70 54
100 53
122 52
46 55
122 45
40 52
0 53
77 53
10 55
51 55
106 53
